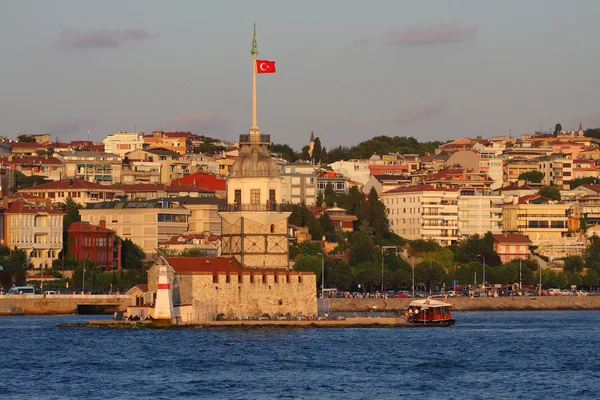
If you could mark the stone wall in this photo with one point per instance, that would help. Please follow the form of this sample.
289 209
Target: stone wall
54 304
248 294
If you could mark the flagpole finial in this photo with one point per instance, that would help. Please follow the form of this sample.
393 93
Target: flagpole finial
254 51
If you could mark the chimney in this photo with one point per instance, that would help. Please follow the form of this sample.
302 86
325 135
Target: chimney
102 224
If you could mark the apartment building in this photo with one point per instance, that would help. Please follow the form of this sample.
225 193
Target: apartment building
540 218
512 247
81 192
34 227
91 166
423 212
122 142
172 165
51 168
299 183
94 243
146 223
479 211
178 142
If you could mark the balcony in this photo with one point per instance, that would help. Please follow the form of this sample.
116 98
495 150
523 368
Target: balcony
262 139
283 207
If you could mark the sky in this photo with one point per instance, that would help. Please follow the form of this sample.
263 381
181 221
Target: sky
347 69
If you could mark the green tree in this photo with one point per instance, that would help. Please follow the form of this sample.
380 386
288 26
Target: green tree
574 264
591 279
316 154
330 197
192 252
531 176
575 183
591 255
328 228
310 248
307 263
132 255
375 214
550 192
338 274
166 251
71 209
557 129
361 248
285 151
429 272
23 182
26 138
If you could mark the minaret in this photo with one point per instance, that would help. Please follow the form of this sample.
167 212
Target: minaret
254 223
580 131
311 144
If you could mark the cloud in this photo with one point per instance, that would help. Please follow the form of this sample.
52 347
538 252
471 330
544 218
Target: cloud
420 35
197 122
419 112
68 126
363 42
72 39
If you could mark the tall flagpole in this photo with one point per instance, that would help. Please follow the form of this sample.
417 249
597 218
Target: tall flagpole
254 53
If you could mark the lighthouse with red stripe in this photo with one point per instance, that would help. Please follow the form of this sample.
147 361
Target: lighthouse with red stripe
163 308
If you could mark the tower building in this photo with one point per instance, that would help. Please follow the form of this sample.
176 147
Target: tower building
311 144
254 222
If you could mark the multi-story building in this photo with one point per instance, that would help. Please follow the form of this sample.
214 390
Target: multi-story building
299 184
140 172
160 190
356 170
512 247
92 166
35 228
146 223
172 165
212 182
49 167
203 163
179 142
338 183
518 166
121 143
95 243
204 214
479 211
423 212
537 217
81 192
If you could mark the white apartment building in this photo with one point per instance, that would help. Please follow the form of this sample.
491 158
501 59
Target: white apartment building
479 211
423 212
299 184
121 143
355 170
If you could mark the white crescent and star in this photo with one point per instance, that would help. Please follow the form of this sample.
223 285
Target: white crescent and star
261 67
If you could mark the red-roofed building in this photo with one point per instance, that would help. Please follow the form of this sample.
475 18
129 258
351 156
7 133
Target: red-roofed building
82 192
512 247
95 243
49 167
178 142
205 181
209 244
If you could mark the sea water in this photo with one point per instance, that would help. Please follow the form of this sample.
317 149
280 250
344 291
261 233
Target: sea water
495 355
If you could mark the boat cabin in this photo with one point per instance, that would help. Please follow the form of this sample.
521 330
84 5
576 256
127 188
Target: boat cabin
430 312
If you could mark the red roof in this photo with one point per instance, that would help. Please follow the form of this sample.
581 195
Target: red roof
191 236
69 185
420 188
28 160
23 207
203 180
515 238
77 227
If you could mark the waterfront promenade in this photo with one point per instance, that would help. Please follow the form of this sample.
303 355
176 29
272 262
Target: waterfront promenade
475 304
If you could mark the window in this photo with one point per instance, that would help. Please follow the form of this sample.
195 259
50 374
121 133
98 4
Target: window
272 196
238 196
254 196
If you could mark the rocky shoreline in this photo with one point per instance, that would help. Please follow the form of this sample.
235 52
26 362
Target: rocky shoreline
542 303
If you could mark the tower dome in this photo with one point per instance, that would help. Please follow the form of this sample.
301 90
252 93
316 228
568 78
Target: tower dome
254 161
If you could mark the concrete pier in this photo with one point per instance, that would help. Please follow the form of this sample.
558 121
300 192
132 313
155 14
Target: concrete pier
55 304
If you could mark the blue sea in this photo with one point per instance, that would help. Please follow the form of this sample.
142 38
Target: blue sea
487 355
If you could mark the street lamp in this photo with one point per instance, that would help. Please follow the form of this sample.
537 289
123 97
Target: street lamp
322 274
483 258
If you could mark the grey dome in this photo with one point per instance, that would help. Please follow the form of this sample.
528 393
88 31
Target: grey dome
254 161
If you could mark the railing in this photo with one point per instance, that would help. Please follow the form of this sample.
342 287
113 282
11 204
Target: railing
262 138
255 207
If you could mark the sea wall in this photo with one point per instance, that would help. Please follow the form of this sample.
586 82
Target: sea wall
53 304
476 304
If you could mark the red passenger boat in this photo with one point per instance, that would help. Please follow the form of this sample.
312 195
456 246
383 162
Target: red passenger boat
430 312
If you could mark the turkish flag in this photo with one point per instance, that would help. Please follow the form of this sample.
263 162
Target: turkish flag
265 67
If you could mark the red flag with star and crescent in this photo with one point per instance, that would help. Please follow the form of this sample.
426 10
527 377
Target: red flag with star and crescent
265 67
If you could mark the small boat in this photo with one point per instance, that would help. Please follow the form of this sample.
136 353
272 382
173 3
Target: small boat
430 312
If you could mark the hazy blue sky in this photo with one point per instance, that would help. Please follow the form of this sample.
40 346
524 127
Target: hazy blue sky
349 70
